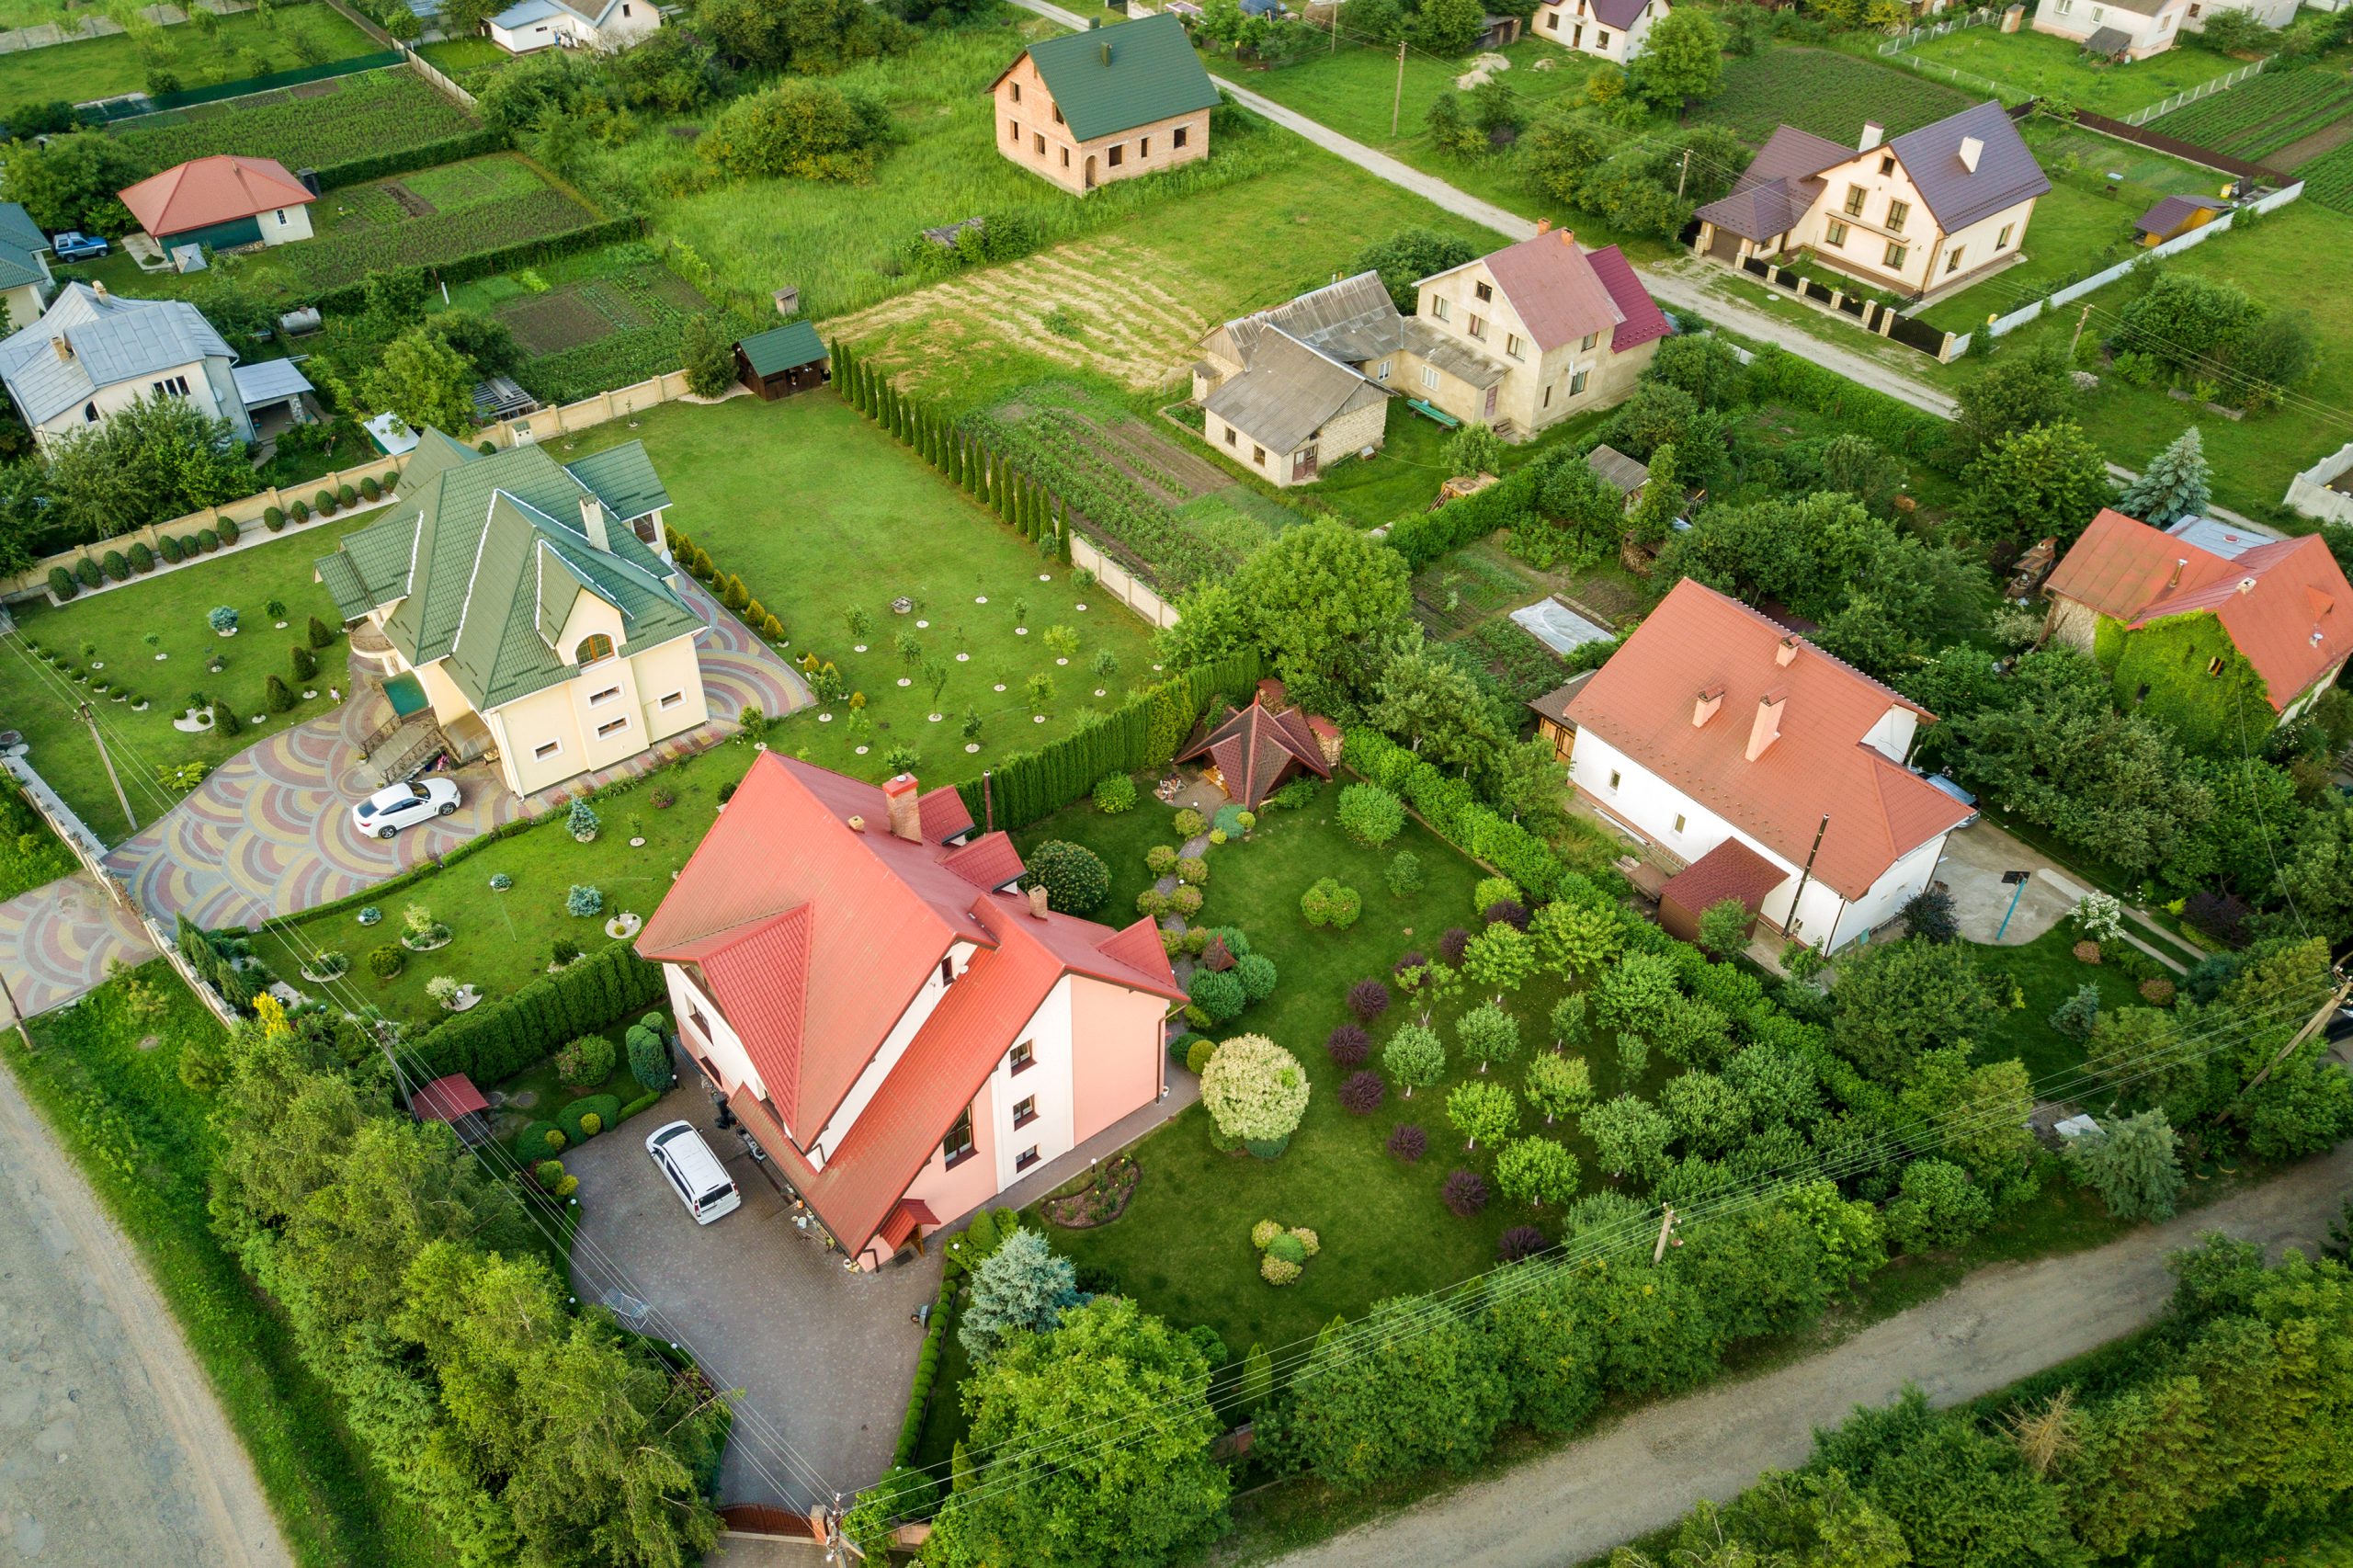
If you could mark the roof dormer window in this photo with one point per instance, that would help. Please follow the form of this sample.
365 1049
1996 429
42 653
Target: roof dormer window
593 649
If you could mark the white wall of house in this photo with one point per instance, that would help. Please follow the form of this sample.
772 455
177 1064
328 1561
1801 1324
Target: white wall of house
204 382
2078 19
1897 887
284 225
1573 25
709 1036
1048 1081
894 1045
2271 13
1870 221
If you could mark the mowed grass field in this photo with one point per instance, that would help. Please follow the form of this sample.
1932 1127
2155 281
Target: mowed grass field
233 48
2041 66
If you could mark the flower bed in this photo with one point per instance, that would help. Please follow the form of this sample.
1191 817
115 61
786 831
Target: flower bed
1101 1201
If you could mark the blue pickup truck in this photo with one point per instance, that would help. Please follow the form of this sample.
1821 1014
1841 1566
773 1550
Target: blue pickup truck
76 246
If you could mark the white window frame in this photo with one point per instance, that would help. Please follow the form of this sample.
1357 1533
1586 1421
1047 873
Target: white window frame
547 749
611 727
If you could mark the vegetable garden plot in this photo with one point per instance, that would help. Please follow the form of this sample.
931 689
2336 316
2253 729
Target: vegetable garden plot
2263 115
335 260
368 116
1829 95
2328 179
554 322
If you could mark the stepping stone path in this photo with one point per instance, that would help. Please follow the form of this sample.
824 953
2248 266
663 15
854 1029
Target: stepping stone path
1193 848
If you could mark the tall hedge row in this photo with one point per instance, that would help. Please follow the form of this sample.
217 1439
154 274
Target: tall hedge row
500 1038
350 297
1450 805
1422 537
1141 733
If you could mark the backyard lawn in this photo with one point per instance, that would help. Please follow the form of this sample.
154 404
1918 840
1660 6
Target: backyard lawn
2047 973
171 606
2041 66
821 516
248 43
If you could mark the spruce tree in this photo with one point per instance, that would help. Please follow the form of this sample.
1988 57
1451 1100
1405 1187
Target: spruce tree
2175 486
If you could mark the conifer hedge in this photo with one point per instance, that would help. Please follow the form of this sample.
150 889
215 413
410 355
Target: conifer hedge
500 1038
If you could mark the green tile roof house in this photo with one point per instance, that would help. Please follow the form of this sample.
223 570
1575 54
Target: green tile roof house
534 601
1112 103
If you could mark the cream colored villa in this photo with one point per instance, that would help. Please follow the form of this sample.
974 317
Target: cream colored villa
1083 109
534 604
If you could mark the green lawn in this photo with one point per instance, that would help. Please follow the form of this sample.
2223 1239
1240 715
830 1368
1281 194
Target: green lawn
820 514
2040 65
501 941
2047 973
463 56
106 1076
235 47
40 699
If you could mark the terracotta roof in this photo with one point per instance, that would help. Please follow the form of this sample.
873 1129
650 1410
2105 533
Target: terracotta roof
1554 289
988 862
447 1099
905 1215
2286 605
1643 320
219 189
1732 869
1255 746
1643 701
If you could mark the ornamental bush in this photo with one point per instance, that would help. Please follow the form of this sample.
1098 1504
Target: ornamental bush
371 489
1255 1091
582 901
1264 1230
1327 903
1186 901
1494 889
1536 1171
61 586
227 529
585 1061
1370 814
1559 1086
323 502
1488 1033
276 695
1193 871
1277 1271
1367 999
1347 1046
1936 1206
1361 1093
386 961
1159 859
1076 879
1487 1110
220 617
580 821
649 1058
1519 1242
1465 1192
1216 992
142 560
116 565
1453 944
1407 1141
1257 973
1115 794
86 573
1405 875
1285 1246
302 662
1198 1054
1416 1057
346 496
299 511
1189 824
319 634
273 519
208 540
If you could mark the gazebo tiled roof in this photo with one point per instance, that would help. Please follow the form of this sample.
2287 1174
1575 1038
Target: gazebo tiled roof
1256 747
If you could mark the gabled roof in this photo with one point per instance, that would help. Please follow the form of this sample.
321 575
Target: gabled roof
1621 472
482 556
1112 79
1640 321
21 244
1553 288
17 228
1732 869
111 340
1255 746
1621 14
1697 641
783 347
2108 42
1352 320
813 939
2173 211
1778 185
1958 194
218 190
1288 393
2286 605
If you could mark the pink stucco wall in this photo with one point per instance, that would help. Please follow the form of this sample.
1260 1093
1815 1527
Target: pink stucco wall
952 1194
1116 1053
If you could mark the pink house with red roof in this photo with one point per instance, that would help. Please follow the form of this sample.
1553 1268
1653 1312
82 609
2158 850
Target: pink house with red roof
902 1031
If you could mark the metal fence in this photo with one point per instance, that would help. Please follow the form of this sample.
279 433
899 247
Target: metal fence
113 111
2203 90
1913 36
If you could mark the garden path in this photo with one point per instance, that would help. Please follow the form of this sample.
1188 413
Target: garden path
1192 848
56 942
268 832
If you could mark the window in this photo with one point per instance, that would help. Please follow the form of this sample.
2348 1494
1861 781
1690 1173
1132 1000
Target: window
1143 147
1013 131
1678 821
281 217
1511 344
1038 142
1177 137
546 749
1854 201
1016 92
1600 39
1834 234
172 386
1553 21
1065 157
671 699
1896 212
1887 163
592 647
1029 1157
2067 7
2098 15
1230 436
958 1145
1259 455
90 412
948 972
597 699
1382 374
1483 291
1586 344
1441 306
1429 378
701 1024
1895 253
612 726
1952 262
1548 397
1024 1057
1119 154
1477 326
2001 240
1613 779
1577 382
1025 1112
1058 114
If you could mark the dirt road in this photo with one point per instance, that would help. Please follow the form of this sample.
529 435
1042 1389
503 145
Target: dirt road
1994 1328
113 1449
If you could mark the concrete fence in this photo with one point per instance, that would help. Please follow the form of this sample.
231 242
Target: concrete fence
527 428
1130 589
2309 493
1912 36
435 77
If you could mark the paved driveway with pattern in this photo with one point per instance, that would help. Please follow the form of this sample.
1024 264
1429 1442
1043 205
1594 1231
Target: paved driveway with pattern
270 834
56 942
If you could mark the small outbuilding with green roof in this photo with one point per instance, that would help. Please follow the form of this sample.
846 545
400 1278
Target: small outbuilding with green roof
1108 104
783 360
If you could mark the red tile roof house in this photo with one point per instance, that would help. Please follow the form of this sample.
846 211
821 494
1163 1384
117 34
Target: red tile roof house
2284 605
1772 771
223 201
902 1034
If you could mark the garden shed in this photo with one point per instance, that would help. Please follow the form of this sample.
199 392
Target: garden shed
1732 869
455 1100
783 360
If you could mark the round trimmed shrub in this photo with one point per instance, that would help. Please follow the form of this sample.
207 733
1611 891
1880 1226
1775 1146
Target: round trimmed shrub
1075 877
61 586
346 496
1285 1246
582 901
1309 1242
1520 1241
116 565
190 546
1275 1271
169 549
1193 871
299 511
208 540
1506 912
1262 1232
1465 1191
539 1141
1452 946
1257 972
371 489
591 1124
1115 794
585 1061
142 560
1370 814
1407 1141
1159 859
85 572
1255 1090
387 962
1198 1054
547 1173
1367 999
1412 958
323 502
227 529
1347 1046
273 519
1186 901
1361 1093
1189 822
1217 993
2157 991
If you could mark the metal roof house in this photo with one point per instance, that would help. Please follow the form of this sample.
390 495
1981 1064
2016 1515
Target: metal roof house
783 360
1927 213
94 354
534 603
1082 110
25 280
530 26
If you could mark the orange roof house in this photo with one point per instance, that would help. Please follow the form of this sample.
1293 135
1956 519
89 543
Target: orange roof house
2283 605
223 201
1713 724
1255 749
902 1031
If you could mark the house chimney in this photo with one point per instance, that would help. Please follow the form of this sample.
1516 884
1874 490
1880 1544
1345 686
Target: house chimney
1569 238
1705 708
99 288
1873 132
65 349
899 794
1784 653
592 522
1766 727
857 824
2247 584
2180 565
1971 149
1543 225
1037 903
1107 51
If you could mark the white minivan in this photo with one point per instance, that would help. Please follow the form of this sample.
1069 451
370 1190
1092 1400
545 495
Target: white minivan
701 1182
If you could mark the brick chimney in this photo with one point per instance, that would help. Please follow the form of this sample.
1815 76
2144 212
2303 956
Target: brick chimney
1037 903
592 522
1543 225
65 349
99 288
899 794
1766 727
1569 238
1706 708
1784 653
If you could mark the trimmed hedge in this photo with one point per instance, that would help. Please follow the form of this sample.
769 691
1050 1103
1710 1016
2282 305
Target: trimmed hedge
943 1308
1776 374
606 1109
1422 537
500 1038
378 165
1450 808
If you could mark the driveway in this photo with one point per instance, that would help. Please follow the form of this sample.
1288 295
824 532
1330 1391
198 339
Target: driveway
1975 859
269 833
823 1356
58 941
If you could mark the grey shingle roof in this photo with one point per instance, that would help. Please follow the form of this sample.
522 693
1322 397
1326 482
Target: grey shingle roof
1288 393
113 340
2006 174
1353 319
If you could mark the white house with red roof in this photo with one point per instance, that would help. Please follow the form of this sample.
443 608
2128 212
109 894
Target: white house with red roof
1763 767
2283 604
224 201
1607 29
901 1031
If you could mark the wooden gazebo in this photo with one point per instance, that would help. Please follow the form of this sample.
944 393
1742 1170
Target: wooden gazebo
1255 749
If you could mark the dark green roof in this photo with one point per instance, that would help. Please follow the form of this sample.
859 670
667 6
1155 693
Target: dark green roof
1112 79
783 349
485 554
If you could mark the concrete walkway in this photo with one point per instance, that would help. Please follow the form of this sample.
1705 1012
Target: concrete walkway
57 942
1998 1326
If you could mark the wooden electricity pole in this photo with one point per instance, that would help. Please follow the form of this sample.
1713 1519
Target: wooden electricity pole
2080 320
92 719
1665 1227
2336 999
1396 104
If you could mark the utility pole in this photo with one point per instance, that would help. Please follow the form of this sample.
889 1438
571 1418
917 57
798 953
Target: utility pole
1683 175
15 1014
1665 1226
2312 1026
1397 103
92 719
1806 875
2079 332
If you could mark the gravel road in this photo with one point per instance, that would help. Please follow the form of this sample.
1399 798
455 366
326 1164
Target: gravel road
1994 1327
113 1449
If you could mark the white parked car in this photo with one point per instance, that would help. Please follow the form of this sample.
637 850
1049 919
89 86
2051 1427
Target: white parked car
395 806
694 1174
